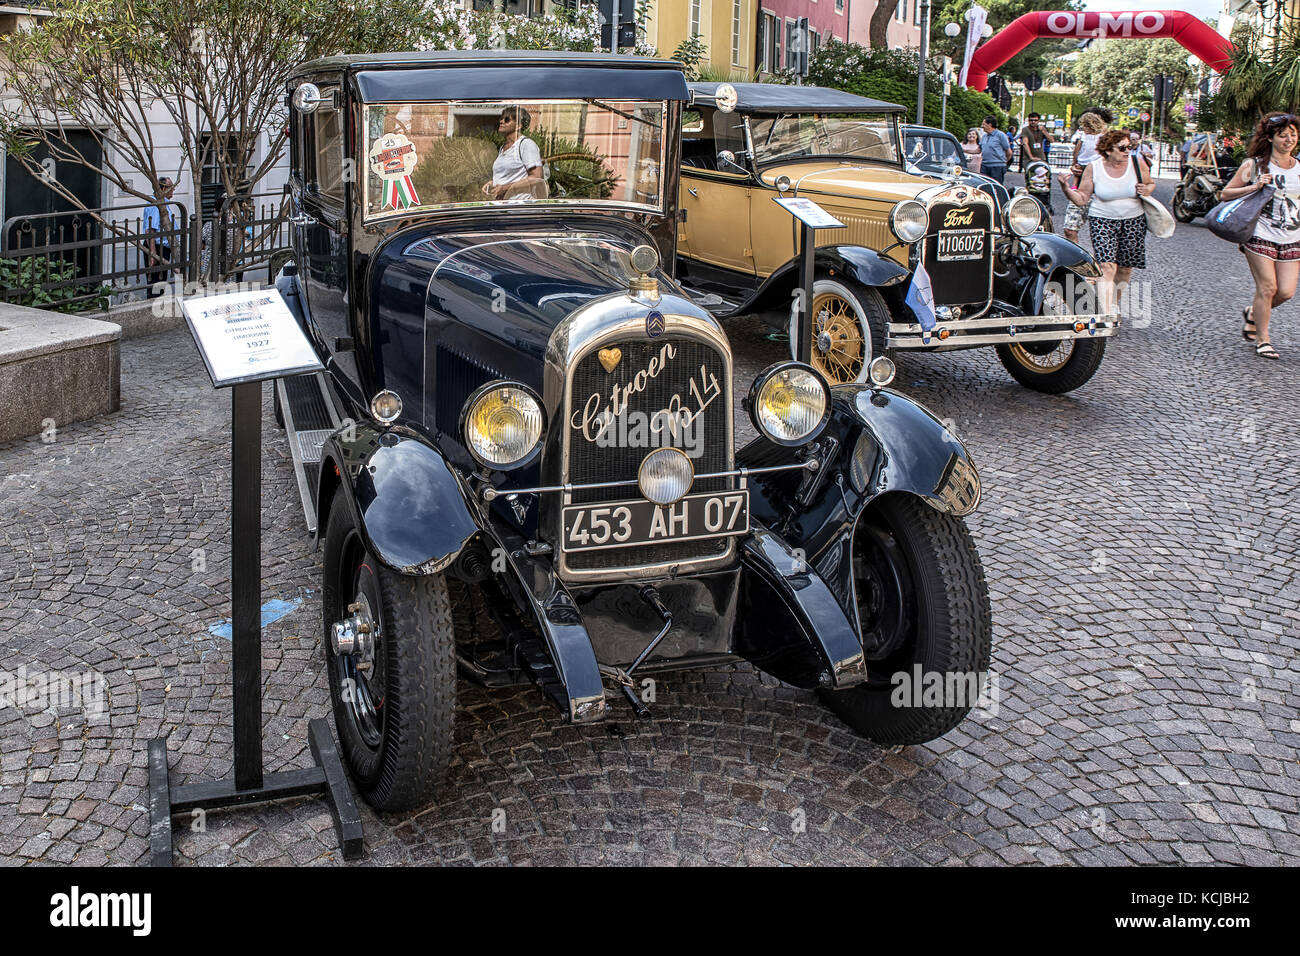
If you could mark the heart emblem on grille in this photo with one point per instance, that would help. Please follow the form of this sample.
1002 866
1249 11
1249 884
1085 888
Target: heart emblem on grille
610 358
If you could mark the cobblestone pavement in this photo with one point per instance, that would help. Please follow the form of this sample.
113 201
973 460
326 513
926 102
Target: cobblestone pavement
1139 538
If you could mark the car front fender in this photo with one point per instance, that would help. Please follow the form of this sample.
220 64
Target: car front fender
864 266
404 498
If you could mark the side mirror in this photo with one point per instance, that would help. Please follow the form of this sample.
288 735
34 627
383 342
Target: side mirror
727 158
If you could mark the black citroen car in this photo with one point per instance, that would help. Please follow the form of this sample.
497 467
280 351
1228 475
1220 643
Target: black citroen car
520 462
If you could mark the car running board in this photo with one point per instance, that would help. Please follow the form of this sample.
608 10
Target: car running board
309 419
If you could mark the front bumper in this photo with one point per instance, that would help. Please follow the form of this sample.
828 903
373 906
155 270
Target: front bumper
1000 330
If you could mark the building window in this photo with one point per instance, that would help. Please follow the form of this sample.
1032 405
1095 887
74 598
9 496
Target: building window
792 44
900 11
695 17
735 32
839 7
916 12
769 42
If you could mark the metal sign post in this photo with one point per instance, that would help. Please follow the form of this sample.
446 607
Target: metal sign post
246 338
811 218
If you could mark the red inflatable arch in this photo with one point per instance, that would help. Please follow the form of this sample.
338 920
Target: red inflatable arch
1191 32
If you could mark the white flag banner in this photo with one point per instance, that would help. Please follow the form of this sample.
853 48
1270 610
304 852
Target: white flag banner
975 20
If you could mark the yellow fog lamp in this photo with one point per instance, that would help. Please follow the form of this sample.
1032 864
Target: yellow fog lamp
503 424
789 403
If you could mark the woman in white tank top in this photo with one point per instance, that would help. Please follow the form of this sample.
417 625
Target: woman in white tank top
1274 250
1116 220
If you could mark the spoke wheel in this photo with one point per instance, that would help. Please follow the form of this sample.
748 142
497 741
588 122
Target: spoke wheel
847 320
1055 368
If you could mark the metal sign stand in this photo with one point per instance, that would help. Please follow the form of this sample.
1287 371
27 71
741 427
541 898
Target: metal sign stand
811 218
249 784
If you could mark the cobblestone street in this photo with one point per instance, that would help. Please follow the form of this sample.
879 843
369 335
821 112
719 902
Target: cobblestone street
1141 544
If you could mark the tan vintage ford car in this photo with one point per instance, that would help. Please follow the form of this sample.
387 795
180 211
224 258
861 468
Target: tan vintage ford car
997 279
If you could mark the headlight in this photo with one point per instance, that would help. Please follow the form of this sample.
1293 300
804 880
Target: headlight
665 475
789 403
386 406
503 423
881 371
1023 215
909 220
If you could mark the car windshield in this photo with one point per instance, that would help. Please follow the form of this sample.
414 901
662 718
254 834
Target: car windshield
487 153
932 152
795 135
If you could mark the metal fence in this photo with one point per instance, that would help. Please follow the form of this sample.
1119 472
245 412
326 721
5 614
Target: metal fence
88 259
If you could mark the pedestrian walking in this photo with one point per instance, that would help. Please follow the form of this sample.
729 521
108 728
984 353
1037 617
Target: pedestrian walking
995 149
1034 141
1091 127
1117 221
158 245
1274 251
972 150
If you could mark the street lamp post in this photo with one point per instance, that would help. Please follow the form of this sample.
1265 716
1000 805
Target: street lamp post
925 54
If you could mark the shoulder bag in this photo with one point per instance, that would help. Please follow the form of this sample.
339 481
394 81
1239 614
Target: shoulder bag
1160 222
1235 219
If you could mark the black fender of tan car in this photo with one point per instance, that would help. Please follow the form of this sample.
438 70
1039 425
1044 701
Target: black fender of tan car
404 498
858 263
1051 254
876 443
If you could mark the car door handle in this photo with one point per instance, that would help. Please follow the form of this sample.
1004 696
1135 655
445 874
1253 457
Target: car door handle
692 192
302 219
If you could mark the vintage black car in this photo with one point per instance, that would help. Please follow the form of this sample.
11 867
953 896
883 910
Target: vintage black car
520 462
996 278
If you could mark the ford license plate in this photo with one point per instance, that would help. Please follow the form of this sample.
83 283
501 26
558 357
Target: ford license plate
618 524
958 244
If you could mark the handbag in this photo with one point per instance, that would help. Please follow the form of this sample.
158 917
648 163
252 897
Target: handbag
1234 219
1160 222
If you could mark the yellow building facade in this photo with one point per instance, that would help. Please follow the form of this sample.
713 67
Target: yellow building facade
726 26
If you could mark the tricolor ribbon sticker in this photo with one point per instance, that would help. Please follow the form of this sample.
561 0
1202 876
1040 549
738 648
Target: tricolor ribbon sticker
393 159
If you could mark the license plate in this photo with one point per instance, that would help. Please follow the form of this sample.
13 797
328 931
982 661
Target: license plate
958 244
620 524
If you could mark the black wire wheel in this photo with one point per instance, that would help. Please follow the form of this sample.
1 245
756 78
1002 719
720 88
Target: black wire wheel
391 655
1179 206
923 609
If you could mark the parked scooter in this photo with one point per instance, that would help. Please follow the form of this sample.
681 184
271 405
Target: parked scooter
1198 193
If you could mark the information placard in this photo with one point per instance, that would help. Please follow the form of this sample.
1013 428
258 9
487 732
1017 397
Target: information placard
809 213
248 337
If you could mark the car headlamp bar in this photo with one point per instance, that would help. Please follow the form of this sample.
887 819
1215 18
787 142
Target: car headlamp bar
489 493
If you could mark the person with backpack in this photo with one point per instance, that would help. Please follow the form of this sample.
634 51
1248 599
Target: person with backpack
1273 252
1113 183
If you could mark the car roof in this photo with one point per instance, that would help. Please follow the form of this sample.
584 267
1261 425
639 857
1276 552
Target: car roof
434 75
779 98
911 129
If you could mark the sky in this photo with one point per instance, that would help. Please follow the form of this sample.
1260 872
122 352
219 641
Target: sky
1202 8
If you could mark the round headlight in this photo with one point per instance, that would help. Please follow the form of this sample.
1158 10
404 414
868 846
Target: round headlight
386 406
881 371
789 403
503 425
1023 215
909 220
665 475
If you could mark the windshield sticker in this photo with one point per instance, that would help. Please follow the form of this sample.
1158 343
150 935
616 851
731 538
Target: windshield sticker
393 159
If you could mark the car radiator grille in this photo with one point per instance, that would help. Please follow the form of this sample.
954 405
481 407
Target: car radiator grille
590 462
966 281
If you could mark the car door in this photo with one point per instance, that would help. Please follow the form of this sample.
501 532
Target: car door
322 237
715 196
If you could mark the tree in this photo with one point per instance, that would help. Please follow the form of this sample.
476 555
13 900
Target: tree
1034 58
1121 73
216 69
1258 81
878 29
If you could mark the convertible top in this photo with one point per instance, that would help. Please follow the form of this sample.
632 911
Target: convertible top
501 74
778 98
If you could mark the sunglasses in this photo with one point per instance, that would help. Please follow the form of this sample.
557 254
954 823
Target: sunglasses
1125 149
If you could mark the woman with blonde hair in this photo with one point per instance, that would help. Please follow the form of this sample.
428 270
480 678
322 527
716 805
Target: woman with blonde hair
1091 126
972 150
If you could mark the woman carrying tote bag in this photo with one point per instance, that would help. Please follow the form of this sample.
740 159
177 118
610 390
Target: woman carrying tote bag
1273 252
1116 219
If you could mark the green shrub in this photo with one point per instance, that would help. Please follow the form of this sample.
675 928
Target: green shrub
32 275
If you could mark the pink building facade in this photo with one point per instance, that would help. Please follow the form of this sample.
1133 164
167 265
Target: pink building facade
778 26
904 25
